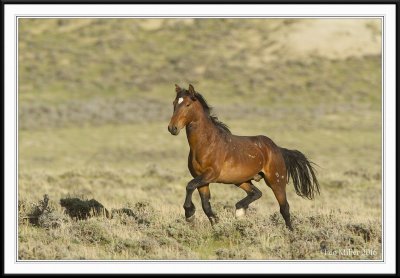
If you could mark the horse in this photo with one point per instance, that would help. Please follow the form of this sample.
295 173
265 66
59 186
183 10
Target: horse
218 156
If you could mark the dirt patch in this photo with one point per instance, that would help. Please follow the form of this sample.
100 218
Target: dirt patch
330 38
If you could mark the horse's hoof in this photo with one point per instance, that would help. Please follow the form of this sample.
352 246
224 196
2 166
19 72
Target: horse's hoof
213 220
240 213
189 211
190 219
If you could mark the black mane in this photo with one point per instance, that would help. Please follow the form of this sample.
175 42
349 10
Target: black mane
209 112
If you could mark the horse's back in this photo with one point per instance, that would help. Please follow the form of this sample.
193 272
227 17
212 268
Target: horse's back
269 149
260 141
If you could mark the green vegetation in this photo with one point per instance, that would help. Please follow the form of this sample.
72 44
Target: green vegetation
95 99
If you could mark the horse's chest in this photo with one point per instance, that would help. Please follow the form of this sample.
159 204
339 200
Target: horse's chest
198 162
197 167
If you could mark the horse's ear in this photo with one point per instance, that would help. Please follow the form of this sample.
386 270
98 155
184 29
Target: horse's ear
177 88
192 92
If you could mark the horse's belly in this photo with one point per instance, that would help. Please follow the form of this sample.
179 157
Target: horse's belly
237 177
239 172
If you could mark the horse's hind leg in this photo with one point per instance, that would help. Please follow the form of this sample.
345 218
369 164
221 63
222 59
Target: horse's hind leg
205 196
277 183
253 193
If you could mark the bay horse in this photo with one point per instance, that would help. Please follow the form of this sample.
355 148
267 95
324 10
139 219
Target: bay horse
218 156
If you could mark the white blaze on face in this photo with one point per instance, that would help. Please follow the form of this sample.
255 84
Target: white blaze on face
180 100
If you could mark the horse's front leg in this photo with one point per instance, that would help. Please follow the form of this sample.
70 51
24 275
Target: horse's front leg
195 183
205 196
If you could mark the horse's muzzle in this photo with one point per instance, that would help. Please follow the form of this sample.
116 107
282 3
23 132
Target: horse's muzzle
173 130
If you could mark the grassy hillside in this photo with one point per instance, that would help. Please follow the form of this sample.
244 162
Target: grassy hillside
94 104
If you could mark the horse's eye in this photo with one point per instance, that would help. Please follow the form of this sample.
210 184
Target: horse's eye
188 104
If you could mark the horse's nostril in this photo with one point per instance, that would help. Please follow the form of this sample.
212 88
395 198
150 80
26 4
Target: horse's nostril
172 129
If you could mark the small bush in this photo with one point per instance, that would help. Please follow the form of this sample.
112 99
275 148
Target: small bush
141 212
91 231
83 209
183 233
223 231
52 219
41 213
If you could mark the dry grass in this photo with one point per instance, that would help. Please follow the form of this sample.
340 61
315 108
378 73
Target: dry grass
151 230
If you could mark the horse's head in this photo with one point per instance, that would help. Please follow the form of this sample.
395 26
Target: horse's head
185 107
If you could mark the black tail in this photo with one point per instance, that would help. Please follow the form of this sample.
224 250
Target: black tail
300 169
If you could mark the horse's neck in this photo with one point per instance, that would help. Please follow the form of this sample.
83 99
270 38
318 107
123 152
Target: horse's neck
201 133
